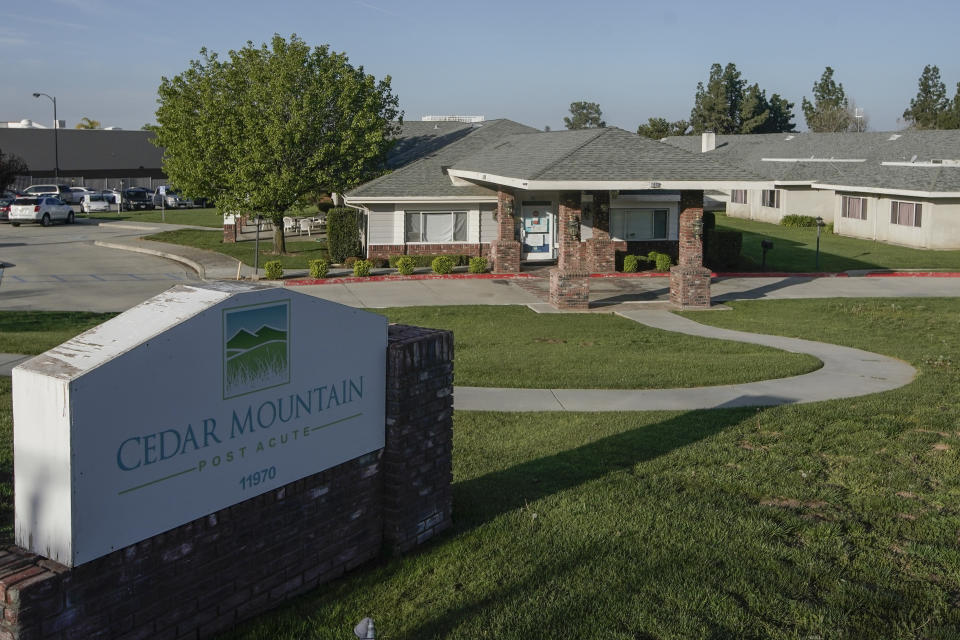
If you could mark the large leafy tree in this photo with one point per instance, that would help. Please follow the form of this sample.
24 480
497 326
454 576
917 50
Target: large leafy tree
11 166
728 104
830 110
928 108
584 115
659 128
268 125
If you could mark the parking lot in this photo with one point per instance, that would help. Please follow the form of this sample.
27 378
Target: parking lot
59 268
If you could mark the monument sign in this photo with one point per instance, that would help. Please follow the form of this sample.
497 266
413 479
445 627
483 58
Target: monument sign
200 398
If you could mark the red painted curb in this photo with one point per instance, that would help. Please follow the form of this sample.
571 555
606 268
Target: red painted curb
300 282
914 274
781 274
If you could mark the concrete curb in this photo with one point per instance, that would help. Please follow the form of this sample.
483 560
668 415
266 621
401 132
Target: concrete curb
196 266
845 373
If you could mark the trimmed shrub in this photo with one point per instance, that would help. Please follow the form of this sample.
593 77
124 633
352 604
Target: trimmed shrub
361 268
349 262
478 264
273 270
318 268
709 221
798 221
426 260
722 249
661 261
378 263
404 264
631 263
343 233
442 264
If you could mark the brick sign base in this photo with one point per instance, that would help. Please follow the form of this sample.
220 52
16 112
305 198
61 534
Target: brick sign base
207 575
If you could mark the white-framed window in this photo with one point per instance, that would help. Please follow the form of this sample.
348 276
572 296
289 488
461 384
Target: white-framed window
770 198
851 207
435 226
905 213
640 224
738 196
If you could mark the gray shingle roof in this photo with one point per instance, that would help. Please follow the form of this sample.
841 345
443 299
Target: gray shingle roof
418 138
83 150
597 155
748 151
425 177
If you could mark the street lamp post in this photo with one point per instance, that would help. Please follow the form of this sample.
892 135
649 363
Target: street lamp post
56 137
820 225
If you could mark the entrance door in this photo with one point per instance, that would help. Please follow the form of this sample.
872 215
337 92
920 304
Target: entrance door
537 231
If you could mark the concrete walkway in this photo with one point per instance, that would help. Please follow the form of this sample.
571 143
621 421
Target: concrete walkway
846 373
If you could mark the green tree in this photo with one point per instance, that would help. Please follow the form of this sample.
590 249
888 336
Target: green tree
729 104
659 128
950 118
584 115
830 109
11 166
269 125
928 107
87 123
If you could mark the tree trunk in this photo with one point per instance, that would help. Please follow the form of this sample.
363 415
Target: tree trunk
279 241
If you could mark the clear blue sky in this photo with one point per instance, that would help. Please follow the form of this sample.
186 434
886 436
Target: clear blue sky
520 60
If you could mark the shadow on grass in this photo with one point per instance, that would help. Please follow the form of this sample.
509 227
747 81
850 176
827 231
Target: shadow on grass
481 499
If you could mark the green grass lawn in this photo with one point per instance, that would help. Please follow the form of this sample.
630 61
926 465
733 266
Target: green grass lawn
795 250
836 519
195 217
298 256
514 347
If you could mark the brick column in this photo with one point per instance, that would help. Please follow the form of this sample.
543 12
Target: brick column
230 232
689 280
417 456
506 249
600 248
569 284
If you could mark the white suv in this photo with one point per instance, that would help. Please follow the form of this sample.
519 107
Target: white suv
42 209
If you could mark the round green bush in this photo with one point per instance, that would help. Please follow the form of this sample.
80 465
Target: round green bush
442 264
273 270
478 264
663 262
631 263
361 268
318 268
406 265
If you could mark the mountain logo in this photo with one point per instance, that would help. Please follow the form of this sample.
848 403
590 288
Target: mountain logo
256 348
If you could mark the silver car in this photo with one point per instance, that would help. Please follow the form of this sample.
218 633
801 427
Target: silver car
42 209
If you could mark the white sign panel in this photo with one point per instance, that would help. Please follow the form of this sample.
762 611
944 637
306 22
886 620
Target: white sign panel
200 398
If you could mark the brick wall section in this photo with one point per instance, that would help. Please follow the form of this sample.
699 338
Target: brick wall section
453 248
689 280
209 574
569 284
418 474
506 250
600 249
229 232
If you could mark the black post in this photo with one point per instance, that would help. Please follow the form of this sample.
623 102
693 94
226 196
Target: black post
56 136
256 251
819 225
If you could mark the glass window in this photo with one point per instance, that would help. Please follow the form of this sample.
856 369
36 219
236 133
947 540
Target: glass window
770 198
435 226
639 224
905 213
738 196
855 208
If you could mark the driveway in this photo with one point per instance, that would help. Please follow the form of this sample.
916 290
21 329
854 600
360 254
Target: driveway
59 268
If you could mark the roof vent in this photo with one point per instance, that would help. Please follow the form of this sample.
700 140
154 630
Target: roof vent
789 138
708 141
914 158
934 161
895 136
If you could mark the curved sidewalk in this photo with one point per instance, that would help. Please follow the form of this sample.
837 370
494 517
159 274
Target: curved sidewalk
846 373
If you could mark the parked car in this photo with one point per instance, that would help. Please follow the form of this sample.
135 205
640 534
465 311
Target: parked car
42 209
137 199
75 195
58 190
111 195
94 202
170 198
5 203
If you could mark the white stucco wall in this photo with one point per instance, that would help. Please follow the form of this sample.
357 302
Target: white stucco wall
939 225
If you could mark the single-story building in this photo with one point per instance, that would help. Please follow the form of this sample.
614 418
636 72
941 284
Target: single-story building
498 188
899 187
95 158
